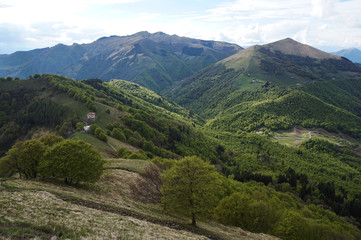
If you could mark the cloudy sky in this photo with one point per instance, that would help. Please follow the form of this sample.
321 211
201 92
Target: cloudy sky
327 24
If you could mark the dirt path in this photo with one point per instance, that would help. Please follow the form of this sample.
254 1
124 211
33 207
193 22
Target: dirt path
112 147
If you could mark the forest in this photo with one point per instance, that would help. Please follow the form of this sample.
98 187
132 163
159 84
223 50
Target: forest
310 191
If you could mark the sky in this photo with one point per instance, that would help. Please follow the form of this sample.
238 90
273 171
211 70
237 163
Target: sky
329 25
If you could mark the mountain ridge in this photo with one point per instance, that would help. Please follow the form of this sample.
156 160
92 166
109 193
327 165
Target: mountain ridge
266 73
353 54
152 60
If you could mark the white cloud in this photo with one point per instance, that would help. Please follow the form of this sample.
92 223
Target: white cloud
324 9
314 22
41 23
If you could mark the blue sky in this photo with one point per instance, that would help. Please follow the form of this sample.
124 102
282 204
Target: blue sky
326 24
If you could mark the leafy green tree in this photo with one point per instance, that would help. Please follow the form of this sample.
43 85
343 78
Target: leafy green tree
74 161
191 188
242 211
80 126
148 146
118 134
123 152
92 128
32 152
231 210
100 134
50 139
9 163
292 226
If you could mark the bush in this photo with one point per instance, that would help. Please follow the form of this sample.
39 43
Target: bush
50 140
138 155
80 126
123 152
74 161
148 146
92 128
242 211
31 154
118 134
100 134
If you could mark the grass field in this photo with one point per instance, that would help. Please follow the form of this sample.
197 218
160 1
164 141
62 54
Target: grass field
297 135
104 148
132 165
38 209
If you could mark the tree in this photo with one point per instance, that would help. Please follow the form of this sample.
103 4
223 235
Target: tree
31 154
191 188
72 160
148 146
50 139
241 210
9 163
92 128
118 134
123 152
80 126
100 134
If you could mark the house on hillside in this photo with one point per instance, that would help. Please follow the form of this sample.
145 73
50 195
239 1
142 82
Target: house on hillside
90 116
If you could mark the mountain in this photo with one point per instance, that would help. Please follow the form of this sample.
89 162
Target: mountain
275 86
154 60
352 54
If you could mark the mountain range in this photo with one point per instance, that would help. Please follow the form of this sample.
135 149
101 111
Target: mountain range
281 122
274 86
154 60
352 54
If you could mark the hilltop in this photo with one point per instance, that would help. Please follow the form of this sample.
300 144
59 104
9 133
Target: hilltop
251 89
153 60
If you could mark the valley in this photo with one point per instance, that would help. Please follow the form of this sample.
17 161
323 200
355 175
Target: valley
280 125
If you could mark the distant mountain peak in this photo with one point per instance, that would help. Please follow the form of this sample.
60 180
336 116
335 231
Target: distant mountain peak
354 54
291 47
154 60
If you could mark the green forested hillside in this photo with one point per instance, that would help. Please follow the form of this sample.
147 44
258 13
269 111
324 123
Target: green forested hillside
341 92
285 110
54 102
282 86
256 88
135 123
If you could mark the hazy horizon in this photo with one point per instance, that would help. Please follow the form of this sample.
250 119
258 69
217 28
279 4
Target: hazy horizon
330 25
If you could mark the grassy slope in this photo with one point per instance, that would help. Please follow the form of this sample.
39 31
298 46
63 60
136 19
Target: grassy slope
105 118
297 135
146 96
102 210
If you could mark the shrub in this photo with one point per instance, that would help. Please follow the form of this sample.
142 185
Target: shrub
74 161
118 134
